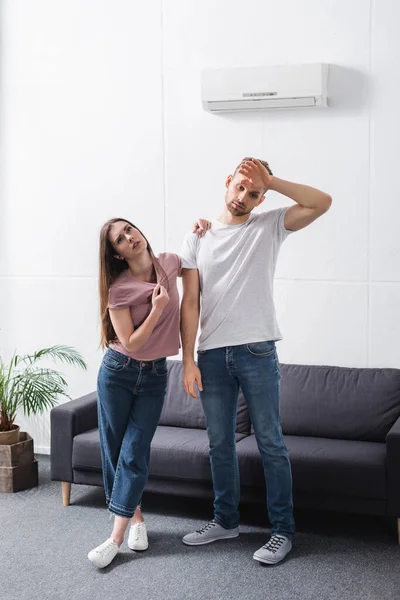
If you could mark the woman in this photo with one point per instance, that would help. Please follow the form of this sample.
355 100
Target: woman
139 305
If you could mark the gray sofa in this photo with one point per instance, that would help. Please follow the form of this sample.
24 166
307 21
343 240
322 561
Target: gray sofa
341 427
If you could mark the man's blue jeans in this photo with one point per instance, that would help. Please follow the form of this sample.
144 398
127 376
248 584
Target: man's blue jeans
255 368
130 399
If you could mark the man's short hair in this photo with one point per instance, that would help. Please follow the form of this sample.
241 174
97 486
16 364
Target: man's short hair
263 162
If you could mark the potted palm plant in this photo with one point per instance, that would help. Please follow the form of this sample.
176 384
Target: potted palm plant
28 386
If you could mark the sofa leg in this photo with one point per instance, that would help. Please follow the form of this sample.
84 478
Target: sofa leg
398 531
66 492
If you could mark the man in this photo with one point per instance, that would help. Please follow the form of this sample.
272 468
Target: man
233 265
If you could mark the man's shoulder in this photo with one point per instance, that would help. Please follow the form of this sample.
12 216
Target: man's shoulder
271 218
270 215
191 240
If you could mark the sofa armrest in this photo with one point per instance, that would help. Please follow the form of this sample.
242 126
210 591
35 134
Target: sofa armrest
66 421
393 469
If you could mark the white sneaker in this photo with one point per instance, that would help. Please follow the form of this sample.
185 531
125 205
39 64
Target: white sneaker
274 551
137 539
104 554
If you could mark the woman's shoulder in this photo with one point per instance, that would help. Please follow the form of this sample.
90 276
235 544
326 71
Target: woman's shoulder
120 280
171 263
120 292
168 258
126 291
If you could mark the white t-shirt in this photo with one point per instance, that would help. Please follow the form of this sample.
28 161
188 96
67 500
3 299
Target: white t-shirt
236 266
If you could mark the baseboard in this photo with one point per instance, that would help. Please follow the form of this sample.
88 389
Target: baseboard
42 449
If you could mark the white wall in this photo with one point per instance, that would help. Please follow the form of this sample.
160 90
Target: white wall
101 116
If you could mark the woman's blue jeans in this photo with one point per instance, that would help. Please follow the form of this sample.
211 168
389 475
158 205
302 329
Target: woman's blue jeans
130 399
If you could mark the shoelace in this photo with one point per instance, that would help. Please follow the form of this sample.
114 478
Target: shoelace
139 532
206 527
274 543
105 548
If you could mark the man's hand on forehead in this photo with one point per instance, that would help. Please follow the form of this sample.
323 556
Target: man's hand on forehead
256 174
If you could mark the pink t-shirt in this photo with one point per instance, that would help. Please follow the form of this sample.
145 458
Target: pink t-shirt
128 292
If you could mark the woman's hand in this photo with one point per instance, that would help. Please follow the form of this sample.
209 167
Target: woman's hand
201 226
159 298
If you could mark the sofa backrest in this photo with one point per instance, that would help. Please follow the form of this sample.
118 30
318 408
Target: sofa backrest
181 410
339 402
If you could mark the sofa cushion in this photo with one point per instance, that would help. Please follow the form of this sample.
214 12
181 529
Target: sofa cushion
181 410
323 466
175 452
86 451
181 453
339 402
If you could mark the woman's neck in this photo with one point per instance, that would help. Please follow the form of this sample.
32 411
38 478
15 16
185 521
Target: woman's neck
142 268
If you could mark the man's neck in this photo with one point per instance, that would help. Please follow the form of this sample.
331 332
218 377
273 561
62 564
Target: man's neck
227 218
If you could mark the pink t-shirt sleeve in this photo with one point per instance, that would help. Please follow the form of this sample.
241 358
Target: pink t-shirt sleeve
118 296
178 264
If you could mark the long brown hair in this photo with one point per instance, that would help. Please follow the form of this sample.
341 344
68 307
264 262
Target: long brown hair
109 269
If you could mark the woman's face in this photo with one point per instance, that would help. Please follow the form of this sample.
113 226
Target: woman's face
126 240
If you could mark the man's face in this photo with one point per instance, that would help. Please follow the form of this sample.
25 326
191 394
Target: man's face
242 195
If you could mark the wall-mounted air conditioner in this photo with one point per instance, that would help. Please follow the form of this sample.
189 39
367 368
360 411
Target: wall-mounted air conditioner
264 88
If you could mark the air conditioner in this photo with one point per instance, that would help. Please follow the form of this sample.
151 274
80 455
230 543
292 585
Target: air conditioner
265 88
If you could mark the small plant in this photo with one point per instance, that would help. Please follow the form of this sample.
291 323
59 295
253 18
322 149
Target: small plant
26 385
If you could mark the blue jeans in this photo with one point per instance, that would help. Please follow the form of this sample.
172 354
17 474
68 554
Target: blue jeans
130 397
255 368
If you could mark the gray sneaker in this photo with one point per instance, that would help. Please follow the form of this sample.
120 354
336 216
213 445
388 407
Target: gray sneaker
210 533
274 551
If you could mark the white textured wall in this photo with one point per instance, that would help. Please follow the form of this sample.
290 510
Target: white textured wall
101 116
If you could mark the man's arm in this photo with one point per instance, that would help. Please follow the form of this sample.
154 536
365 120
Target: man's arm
190 312
311 203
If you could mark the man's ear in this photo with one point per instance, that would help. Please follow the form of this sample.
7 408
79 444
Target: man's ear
228 181
261 200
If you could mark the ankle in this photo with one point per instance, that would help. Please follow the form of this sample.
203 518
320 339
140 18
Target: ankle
137 516
137 519
117 540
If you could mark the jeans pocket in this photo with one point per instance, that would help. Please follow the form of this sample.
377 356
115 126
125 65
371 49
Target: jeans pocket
161 368
261 348
114 364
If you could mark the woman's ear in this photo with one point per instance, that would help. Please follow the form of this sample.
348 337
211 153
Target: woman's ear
118 257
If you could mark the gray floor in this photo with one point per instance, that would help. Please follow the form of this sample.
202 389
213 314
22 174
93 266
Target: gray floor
43 548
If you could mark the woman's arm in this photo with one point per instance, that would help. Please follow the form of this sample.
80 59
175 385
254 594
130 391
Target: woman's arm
131 339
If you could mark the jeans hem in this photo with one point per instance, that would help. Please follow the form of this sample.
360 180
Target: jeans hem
224 526
289 536
120 512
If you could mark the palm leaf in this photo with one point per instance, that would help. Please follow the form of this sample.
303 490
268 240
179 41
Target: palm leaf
37 390
24 385
65 354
